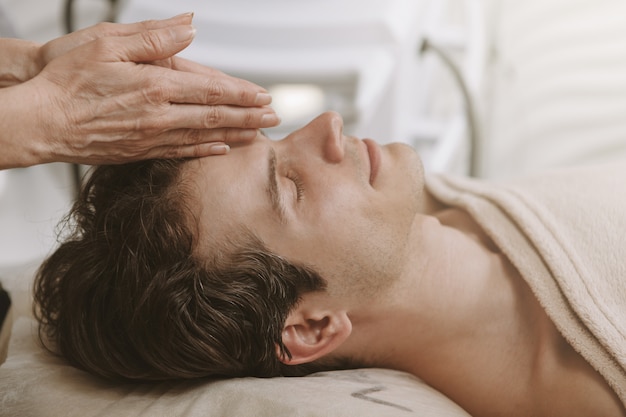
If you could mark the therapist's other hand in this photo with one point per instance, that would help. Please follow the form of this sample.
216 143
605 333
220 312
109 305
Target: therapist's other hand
100 101
62 45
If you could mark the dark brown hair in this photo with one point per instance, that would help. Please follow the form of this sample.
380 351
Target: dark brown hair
124 296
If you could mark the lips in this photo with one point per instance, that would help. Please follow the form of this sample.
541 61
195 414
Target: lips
373 152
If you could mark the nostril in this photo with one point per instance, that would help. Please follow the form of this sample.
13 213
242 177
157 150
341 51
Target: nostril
325 136
334 147
335 139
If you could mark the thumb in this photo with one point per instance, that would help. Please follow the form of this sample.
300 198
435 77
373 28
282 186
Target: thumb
153 45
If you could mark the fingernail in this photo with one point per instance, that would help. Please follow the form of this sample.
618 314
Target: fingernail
263 99
190 14
219 149
270 119
183 33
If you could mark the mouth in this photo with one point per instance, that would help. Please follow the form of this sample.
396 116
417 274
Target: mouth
373 152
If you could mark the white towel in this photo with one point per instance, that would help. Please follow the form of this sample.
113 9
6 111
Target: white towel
566 233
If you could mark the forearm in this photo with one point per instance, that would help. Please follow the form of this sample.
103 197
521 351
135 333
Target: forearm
21 143
20 61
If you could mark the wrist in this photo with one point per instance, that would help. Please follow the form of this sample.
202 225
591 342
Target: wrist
21 61
21 139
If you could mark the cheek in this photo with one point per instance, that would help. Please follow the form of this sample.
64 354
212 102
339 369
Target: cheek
322 232
357 248
351 236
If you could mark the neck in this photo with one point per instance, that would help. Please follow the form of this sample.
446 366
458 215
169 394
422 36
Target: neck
467 324
458 314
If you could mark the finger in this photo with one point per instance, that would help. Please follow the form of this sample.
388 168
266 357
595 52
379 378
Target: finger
125 29
104 29
182 64
188 151
180 116
193 88
151 45
196 142
181 19
237 91
183 137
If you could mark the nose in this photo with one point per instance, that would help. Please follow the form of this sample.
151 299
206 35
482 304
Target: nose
327 131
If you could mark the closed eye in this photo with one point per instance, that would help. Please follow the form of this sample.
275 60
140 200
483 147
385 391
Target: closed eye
299 185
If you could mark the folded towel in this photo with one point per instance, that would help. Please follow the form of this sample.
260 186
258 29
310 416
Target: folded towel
565 231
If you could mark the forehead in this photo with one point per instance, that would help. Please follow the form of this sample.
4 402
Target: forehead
229 192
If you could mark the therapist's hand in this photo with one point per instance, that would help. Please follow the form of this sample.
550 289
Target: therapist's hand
59 46
99 99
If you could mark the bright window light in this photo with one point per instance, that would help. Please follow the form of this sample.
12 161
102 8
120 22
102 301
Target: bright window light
296 103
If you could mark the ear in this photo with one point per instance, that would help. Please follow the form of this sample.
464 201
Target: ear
311 332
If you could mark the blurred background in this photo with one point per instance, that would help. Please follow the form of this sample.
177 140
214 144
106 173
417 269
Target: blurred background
488 88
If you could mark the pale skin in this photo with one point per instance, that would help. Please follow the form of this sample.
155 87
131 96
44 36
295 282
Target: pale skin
115 93
412 285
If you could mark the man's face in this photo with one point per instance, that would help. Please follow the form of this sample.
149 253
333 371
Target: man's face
340 205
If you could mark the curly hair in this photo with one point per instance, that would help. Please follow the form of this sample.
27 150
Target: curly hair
125 297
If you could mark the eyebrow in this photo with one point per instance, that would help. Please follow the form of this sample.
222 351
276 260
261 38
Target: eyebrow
272 189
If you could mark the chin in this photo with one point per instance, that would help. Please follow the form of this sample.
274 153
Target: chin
407 174
407 155
399 148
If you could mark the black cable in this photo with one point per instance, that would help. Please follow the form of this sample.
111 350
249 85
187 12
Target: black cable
467 101
68 16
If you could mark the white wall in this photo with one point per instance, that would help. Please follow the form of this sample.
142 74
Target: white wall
557 90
